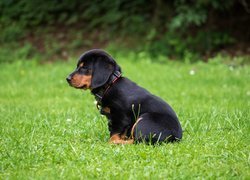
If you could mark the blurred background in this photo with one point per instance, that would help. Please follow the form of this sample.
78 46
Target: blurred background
58 29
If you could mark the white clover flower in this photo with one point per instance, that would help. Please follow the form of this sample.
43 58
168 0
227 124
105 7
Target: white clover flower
192 72
68 120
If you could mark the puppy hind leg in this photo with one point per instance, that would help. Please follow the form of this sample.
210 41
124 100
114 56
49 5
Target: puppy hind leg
149 130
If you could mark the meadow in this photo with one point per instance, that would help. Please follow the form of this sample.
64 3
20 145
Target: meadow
49 130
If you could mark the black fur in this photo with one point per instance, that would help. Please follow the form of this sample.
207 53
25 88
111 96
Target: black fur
129 102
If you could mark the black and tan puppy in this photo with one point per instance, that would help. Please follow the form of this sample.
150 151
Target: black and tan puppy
134 114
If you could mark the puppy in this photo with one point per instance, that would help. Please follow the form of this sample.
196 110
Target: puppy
133 113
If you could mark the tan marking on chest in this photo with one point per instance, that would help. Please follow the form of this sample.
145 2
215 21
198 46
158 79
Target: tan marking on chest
106 110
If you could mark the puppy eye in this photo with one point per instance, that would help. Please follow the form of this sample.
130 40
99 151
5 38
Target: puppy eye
84 70
81 68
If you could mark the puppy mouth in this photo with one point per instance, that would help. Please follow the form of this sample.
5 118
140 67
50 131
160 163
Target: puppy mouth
83 87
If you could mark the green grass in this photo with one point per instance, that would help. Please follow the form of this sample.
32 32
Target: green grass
50 130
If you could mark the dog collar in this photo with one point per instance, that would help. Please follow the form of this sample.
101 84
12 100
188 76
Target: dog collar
100 93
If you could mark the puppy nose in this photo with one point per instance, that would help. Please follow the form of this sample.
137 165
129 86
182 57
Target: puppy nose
68 79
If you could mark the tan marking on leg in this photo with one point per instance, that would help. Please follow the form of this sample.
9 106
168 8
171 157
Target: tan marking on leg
116 139
124 135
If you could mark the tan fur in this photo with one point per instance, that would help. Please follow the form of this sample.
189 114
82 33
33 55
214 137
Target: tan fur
116 139
81 65
106 110
81 80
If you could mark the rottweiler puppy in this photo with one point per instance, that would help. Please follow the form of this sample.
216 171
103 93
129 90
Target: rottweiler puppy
133 113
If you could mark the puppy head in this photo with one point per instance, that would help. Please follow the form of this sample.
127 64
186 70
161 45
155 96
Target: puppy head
93 70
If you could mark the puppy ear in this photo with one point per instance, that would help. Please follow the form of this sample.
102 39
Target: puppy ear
102 70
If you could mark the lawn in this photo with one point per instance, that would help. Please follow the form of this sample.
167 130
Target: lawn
49 130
